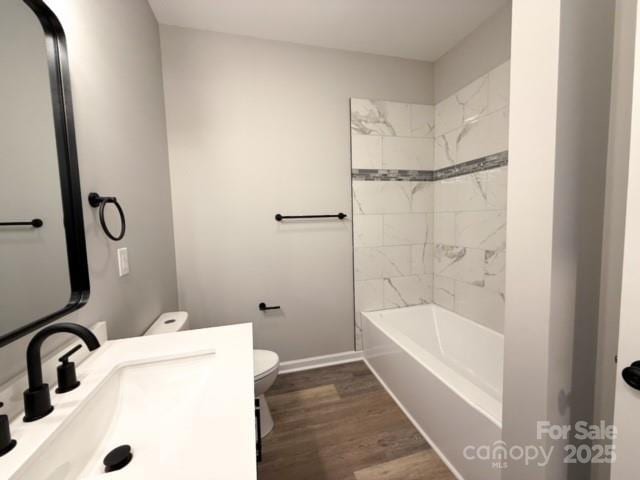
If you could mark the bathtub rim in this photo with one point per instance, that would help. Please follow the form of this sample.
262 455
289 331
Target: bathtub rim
495 419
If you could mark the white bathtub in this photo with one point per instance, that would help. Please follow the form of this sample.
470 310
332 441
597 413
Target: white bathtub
446 374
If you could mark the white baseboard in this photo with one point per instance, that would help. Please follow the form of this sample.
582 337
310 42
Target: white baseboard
317 362
435 448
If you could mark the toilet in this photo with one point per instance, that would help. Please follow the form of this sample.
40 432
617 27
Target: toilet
168 323
266 364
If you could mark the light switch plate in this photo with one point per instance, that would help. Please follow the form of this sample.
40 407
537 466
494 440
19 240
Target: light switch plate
123 261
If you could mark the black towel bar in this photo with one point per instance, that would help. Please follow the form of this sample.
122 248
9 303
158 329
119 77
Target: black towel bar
35 223
280 217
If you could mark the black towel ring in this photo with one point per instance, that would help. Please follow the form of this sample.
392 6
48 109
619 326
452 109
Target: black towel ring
95 200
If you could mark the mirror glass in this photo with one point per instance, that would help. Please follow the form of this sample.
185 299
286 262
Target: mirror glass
34 270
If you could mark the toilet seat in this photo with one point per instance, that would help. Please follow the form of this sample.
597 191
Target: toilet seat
264 363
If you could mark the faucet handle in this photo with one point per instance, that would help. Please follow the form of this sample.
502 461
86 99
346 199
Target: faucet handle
65 358
67 379
6 442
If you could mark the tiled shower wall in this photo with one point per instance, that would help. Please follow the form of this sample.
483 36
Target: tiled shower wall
393 220
425 229
470 210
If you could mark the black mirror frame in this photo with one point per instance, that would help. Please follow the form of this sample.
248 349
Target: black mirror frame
58 66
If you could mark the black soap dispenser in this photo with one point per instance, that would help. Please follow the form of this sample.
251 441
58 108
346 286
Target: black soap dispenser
6 442
67 379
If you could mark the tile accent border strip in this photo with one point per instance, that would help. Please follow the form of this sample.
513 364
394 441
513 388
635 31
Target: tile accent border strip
473 166
392 175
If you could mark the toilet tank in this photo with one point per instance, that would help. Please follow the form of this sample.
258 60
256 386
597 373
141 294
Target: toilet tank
168 323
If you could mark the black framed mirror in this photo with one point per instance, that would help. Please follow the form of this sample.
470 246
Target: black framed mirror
44 273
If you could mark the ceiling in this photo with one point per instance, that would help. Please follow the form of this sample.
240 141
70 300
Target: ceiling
416 29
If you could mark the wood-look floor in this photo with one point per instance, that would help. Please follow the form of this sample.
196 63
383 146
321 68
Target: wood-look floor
338 423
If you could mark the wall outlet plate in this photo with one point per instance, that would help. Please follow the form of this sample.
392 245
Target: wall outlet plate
123 261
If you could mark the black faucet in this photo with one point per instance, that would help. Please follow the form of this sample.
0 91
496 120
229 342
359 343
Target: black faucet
37 401
6 442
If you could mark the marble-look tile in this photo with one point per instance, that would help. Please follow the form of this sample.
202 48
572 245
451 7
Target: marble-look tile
379 262
407 291
465 193
366 197
445 149
382 197
430 227
395 261
398 115
474 98
427 280
366 263
369 295
366 151
421 197
444 292
403 153
374 197
496 188
368 118
499 87
480 304
449 115
483 229
472 140
498 131
422 259
406 229
483 136
367 230
460 263
422 120
376 117
467 104
494 268
444 228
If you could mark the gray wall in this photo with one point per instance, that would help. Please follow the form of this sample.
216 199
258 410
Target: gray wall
261 127
481 51
116 75
614 219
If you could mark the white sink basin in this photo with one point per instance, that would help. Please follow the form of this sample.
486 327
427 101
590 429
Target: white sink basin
186 413
148 406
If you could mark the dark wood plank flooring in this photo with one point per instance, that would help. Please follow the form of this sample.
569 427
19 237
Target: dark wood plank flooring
338 423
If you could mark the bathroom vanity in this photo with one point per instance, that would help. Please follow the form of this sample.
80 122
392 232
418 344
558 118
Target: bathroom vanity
183 402
173 406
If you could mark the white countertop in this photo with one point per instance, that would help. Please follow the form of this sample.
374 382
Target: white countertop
225 431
